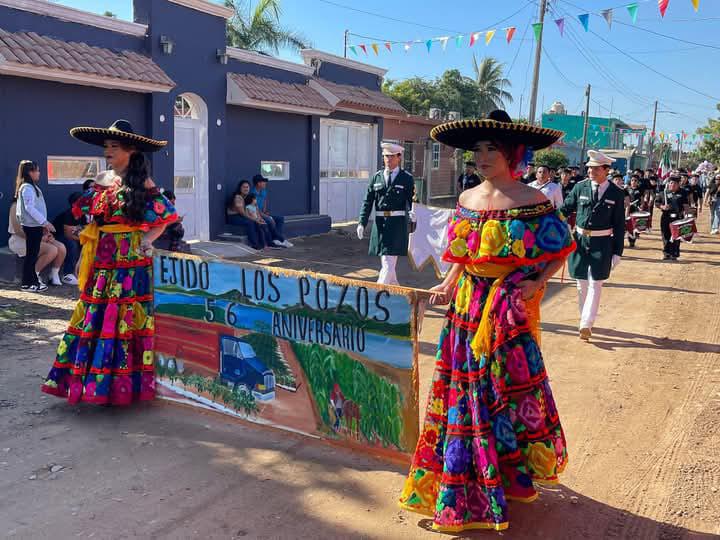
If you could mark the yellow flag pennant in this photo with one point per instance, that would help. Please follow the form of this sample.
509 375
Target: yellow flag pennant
374 48
696 4
488 36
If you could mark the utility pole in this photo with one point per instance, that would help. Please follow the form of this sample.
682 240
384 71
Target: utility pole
536 69
680 145
346 44
651 144
586 125
520 113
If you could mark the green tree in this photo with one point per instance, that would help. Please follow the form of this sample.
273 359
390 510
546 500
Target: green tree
552 158
258 28
709 149
416 95
490 85
110 14
455 92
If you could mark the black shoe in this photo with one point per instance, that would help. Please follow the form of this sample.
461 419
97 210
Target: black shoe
666 257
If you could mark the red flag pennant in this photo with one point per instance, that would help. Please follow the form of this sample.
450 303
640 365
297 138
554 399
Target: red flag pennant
663 5
388 46
364 48
509 33
473 38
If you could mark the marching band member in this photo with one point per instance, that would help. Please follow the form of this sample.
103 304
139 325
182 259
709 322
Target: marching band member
599 234
673 203
390 193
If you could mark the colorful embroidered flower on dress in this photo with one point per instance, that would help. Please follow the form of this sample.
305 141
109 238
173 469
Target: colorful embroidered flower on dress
462 228
462 298
493 238
473 242
458 247
552 235
124 247
516 229
528 239
542 459
106 248
529 413
518 248
158 207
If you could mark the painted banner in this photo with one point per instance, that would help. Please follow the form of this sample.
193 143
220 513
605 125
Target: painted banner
319 355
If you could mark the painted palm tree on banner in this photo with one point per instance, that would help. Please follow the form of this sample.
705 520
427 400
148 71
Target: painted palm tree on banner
665 163
257 28
491 85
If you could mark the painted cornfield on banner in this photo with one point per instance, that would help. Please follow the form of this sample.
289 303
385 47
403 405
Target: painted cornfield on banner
320 355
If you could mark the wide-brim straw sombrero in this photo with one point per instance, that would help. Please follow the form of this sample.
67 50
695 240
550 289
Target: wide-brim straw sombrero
120 130
499 127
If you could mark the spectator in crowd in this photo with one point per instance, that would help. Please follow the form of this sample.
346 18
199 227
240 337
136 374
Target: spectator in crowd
31 214
238 216
695 192
274 223
253 213
713 202
67 231
172 237
566 181
550 189
529 175
87 184
469 179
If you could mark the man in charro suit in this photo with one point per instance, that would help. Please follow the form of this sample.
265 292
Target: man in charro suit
390 193
599 234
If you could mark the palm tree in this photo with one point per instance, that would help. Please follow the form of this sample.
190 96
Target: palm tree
259 29
491 85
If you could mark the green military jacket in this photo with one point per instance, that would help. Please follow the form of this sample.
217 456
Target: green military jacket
390 234
594 254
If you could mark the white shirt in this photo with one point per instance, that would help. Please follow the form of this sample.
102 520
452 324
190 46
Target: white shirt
551 190
390 175
31 209
600 188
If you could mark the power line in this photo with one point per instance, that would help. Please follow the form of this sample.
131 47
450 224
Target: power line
413 23
643 29
517 53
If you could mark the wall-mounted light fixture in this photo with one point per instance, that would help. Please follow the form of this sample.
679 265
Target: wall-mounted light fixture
222 56
167 44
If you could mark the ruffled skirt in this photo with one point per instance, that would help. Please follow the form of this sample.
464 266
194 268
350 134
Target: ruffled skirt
491 429
106 354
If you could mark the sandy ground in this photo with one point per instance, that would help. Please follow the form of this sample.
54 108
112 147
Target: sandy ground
640 406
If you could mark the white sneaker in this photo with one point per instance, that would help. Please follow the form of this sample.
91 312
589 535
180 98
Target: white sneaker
40 281
55 277
69 279
37 288
288 244
278 243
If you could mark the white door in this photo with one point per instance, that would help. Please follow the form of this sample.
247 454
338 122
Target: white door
187 175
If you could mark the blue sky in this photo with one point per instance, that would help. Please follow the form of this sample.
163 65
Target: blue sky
619 83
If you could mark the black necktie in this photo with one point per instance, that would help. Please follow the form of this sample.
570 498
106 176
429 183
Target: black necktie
595 190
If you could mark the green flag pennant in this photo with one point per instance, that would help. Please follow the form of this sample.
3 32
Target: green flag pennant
633 11
458 40
353 49
537 28
428 44
584 20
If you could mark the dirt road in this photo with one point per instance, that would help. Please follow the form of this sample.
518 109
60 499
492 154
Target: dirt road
640 406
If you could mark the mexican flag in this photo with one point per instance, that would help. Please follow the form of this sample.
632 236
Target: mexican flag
665 165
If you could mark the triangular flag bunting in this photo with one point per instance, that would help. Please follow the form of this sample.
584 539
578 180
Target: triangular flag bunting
407 46
488 36
696 4
662 6
353 49
561 25
473 38
375 48
537 28
458 40
607 15
364 48
443 42
388 46
584 20
633 10
428 44
509 33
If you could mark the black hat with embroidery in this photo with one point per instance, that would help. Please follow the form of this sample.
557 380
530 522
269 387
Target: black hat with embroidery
121 131
499 127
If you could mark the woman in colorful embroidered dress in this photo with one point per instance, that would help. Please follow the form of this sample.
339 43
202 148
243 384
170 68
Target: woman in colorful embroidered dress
106 354
491 429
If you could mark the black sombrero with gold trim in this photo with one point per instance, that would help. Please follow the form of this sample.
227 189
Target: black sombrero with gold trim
498 126
120 130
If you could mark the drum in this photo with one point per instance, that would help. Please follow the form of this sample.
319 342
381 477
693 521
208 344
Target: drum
683 229
629 226
641 221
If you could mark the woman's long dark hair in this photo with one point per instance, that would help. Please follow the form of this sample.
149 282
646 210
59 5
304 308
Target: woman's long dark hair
238 189
23 176
135 192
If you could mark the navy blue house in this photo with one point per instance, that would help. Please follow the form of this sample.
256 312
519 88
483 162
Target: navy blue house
312 128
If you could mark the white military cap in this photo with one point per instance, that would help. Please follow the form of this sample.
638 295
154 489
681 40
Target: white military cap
390 149
598 159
